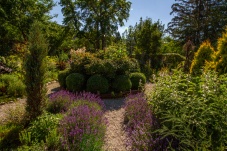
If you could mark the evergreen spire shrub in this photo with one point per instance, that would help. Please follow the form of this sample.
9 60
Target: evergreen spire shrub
221 55
35 68
204 55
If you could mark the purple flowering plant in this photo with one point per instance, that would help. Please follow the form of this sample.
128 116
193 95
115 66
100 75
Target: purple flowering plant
83 128
140 124
61 101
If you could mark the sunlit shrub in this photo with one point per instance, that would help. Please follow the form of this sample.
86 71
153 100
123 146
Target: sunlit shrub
221 55
192 110
11 85
204 54
40 128
80 60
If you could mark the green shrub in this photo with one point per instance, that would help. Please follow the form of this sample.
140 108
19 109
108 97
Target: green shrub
109 68
80 60
11 85
75 82
97 83
192 110
125 65
221 55
39 129
137 78
203 55
9 136
95 67
62 78
122 83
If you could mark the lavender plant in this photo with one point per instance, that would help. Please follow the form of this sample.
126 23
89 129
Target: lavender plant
83 128
62 100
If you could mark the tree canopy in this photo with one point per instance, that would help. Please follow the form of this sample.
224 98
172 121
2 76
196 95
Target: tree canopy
16 18
95 20
198 20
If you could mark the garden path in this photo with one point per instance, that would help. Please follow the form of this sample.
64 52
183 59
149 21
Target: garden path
115 138
51 87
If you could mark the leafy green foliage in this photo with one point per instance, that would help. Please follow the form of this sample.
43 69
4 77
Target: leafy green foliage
35 68
95 67
203 55
62 78
75 82
80 60
100 21
15 25
97 83
126 65
11 85
40 129
122 83
138 79
192 110
9 136
221 55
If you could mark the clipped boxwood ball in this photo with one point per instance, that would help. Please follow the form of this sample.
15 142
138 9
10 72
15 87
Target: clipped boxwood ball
137 78
97 83
122 83
62 78
75 82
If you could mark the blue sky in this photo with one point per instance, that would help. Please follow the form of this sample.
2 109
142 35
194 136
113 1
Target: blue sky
154 9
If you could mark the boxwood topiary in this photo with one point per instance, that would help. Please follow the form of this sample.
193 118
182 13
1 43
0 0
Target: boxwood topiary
75 82
122 83
62 78
97 83
137 78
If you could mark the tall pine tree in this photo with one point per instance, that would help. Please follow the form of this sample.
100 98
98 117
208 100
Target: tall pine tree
198 20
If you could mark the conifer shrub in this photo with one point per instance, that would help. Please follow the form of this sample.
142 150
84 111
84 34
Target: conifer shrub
75 82
204 55
122 83
221 55
137 79
62 78
97 83
35 68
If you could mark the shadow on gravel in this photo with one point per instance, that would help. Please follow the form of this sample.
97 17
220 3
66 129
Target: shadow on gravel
114 104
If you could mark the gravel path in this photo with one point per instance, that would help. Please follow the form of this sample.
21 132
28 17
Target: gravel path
115 137
51 87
